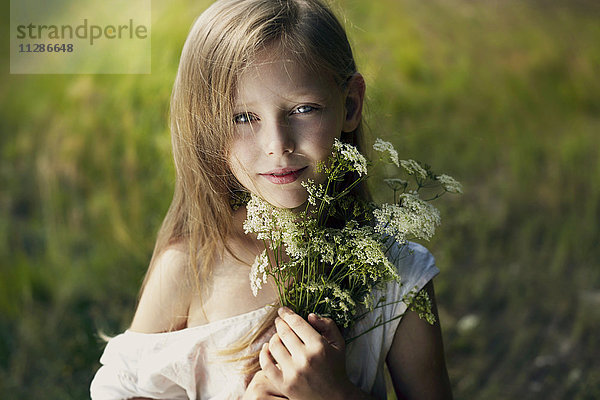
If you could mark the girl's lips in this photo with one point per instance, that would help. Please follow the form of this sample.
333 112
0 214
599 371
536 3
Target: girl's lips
283 176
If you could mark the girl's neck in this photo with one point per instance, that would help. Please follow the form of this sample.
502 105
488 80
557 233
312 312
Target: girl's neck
243 246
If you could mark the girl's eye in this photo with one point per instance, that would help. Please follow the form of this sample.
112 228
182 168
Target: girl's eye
303 109
243 118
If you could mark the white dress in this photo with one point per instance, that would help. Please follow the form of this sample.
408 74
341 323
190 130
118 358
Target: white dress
187 364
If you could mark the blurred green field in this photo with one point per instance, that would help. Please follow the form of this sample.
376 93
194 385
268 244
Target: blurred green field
503 95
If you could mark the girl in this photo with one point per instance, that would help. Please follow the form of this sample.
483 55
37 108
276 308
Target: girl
263 89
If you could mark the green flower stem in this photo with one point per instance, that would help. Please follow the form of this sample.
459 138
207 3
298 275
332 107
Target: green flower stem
380 304
348 189
350 340
437 196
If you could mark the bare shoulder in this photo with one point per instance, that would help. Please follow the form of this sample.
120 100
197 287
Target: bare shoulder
166 296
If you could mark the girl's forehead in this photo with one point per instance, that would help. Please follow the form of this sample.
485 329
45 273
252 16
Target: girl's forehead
274 64
278 54
283 77
269 56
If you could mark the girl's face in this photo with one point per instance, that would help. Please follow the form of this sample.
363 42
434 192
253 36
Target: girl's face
286 119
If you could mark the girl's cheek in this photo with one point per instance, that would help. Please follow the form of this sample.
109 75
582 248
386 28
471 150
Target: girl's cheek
238 151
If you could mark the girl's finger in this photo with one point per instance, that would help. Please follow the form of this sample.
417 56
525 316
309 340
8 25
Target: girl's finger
328 329
303 329
289 338
269 366
279 352
261 388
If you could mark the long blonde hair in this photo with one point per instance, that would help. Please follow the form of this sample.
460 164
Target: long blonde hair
222 41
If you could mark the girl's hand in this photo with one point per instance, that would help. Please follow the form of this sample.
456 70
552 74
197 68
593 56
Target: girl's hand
261 388
304 361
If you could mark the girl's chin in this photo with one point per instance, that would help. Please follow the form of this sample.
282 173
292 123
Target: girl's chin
288 201
293 205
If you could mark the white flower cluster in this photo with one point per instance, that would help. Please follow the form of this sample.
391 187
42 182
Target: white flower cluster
259 218
413 168
315 192
365 247
328 242
293 239
413 218
386 147
268 222
258 272
350 154
338 302
449 183
278 227
358 249
369 261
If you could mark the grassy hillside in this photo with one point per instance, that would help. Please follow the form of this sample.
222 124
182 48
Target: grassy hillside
505 96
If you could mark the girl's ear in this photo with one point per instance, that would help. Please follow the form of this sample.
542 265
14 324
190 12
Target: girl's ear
354 102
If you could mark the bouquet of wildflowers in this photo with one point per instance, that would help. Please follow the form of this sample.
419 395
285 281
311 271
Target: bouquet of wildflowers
328 258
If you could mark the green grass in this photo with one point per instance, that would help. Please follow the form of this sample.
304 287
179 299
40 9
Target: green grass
505 96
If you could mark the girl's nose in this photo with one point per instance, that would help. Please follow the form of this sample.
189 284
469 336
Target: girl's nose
278 139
